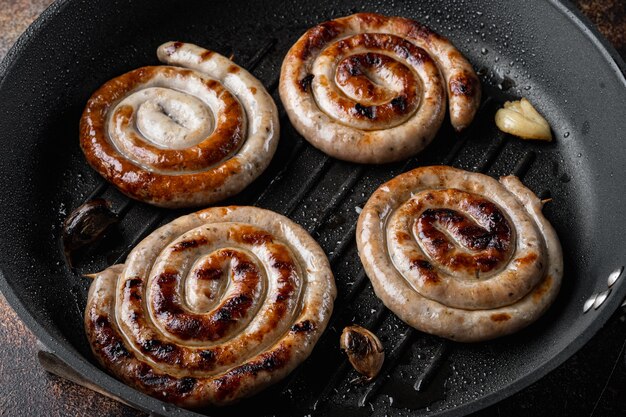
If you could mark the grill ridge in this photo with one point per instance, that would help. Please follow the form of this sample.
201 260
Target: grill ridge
390 362
337 199
308 186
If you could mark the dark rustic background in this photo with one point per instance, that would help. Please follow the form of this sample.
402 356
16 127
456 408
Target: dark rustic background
592 383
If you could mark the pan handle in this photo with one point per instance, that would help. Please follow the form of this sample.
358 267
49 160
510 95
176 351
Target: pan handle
55 365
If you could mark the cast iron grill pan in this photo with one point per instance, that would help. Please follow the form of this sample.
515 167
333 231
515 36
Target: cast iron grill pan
77 45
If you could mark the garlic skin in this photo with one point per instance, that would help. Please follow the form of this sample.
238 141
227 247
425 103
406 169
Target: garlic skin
364 350
520 118
85 225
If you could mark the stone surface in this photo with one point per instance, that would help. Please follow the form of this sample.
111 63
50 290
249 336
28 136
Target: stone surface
27 390
593 382
609 16
15 16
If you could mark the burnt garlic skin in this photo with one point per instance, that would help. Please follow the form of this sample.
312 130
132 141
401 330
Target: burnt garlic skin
365 351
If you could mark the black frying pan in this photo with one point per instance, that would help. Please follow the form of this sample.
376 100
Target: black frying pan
541 50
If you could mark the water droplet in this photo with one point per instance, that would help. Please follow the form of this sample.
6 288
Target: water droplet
484 51
506 84
566 135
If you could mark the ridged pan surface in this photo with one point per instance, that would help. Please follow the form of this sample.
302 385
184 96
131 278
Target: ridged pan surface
541 51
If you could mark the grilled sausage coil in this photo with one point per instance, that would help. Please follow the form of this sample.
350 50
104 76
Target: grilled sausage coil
370 88
459 254
189 133
212 307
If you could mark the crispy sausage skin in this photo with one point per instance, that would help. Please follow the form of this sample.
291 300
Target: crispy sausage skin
459 254
189 133
212 307
370 88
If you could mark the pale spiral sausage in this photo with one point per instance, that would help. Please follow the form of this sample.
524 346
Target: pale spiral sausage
459 254
370 88
212 307
191 133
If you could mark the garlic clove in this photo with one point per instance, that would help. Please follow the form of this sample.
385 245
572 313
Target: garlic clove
521 119
85 225
365 351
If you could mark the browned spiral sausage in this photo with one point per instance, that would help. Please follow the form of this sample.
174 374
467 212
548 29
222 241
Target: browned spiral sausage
184 135
370 88
212 307
459 254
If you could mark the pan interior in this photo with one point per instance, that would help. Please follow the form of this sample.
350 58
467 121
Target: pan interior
517 51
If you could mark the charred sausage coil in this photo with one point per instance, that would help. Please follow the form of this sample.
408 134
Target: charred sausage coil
189 133
372 89
460 254
212 307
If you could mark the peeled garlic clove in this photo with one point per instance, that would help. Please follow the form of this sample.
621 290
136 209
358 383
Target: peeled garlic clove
364 350
520 118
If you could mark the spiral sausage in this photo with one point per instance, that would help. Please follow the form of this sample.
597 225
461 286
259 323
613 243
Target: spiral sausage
370 88
212 307
185 135
459 254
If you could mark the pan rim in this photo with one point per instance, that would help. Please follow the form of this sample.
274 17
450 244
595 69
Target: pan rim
146 403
